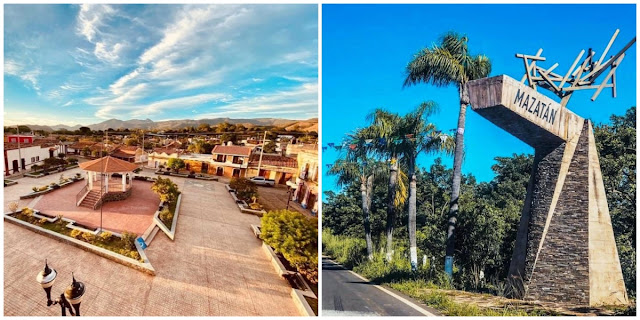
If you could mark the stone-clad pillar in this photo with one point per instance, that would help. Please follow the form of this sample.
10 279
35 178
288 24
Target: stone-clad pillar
571 255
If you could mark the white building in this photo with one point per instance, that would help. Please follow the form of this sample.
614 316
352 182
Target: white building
30 154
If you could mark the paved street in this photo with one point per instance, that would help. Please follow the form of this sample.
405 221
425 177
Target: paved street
214 267
345 294
275 198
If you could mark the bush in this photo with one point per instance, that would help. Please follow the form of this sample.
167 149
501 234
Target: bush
294 236
176 164
72 161
345 250
165 189
13 206
43 221
27 212
245 189
166 216
105 235
43 188
88 236
128 240
35 189
75 233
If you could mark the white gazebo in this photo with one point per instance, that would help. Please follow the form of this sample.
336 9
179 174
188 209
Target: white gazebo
104 168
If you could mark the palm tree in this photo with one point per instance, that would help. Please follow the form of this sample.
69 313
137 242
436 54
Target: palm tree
356 165
419 136
443 64
385 130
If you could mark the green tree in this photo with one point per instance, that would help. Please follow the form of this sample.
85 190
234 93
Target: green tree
166 189
444 64
294 236
176 164
385 130
204 127
616 143
196 146
420 136
270 147
85 130
357 166
226 137
245 189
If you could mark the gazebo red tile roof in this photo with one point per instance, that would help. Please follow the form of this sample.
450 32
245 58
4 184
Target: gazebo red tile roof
108 164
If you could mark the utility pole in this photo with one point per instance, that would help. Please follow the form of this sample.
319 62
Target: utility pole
19 152
261 152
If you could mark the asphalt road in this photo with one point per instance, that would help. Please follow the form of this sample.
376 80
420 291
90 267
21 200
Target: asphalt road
345 294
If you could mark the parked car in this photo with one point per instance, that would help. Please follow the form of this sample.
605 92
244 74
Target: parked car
262 181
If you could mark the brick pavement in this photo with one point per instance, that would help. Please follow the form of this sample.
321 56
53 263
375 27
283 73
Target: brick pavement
215 267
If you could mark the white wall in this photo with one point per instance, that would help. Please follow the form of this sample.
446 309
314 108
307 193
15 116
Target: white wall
27 154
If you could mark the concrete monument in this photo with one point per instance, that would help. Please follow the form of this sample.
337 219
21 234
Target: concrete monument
565 250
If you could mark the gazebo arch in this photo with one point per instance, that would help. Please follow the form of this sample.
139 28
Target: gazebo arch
98 191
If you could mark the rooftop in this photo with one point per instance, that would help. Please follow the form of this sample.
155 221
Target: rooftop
273 160
232 150
108 164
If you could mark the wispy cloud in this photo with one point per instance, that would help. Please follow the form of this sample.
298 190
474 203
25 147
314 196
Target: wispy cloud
15 68
167 61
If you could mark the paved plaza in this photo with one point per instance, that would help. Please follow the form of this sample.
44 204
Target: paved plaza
214 267
134 214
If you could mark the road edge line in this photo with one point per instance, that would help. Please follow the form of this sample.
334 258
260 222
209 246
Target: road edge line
385 290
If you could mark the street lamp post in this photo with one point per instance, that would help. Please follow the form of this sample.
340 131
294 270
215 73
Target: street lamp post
72 296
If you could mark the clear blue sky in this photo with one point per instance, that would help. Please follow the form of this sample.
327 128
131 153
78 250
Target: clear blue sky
366 48
82 64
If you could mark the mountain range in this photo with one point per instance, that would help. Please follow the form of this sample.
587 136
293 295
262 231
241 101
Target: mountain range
148 124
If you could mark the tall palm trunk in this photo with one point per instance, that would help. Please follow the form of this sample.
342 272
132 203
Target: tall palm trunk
413 248
365 215
367 218
455 188
391 210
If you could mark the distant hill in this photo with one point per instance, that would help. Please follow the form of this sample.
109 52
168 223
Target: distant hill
148 124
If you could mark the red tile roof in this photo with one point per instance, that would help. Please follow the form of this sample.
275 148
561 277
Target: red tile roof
273 160
108 164
232 150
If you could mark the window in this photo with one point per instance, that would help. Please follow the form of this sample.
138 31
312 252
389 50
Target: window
37 158
33 159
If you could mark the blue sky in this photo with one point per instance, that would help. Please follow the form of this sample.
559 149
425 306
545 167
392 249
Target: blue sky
366 48
82 64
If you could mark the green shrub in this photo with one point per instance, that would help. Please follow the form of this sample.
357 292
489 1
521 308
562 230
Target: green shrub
294 236
43 221
166 189
176 164
88 236
345 250
105 235
166 216
75 233
27 212
128 240
245 189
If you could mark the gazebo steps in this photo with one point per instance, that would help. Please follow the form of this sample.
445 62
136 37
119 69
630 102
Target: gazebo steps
91 199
